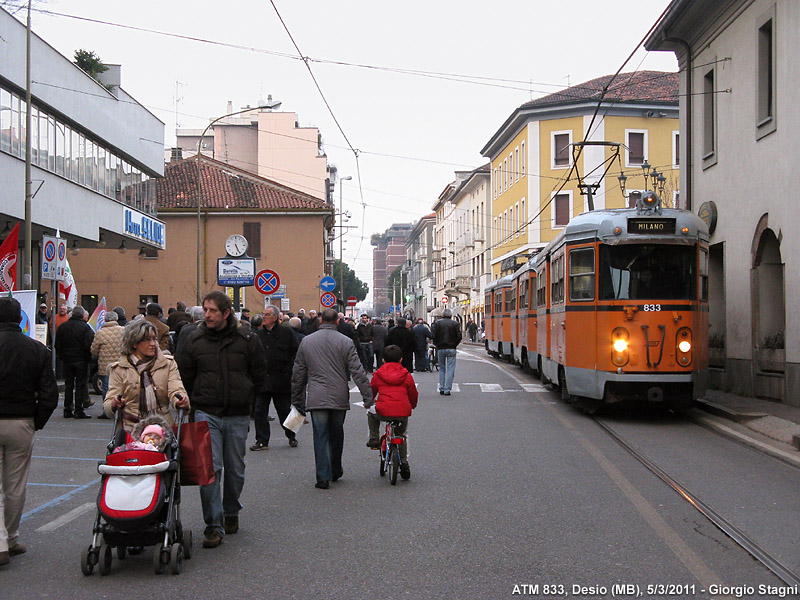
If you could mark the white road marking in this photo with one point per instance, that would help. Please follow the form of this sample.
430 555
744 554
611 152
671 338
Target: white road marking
533 387
64 519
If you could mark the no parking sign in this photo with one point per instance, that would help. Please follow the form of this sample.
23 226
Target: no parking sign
327 300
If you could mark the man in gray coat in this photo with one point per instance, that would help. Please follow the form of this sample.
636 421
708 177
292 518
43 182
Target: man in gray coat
324 363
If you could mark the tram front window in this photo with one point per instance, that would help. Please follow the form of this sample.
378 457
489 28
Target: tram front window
647 272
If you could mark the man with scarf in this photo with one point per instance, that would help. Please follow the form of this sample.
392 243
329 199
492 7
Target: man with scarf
222 364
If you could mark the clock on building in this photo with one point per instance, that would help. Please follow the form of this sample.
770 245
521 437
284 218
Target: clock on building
236 245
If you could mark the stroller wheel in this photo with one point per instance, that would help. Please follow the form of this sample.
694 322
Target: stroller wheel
158 560
176 558
104 563
87 564
187 543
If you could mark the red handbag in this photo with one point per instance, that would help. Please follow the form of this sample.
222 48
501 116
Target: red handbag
196 459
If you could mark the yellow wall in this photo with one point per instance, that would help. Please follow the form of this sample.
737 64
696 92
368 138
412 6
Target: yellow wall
552 179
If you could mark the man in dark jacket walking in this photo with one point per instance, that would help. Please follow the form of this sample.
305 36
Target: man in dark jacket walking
421 335
325 362
28 396
403 337
74 347
280 347
379 333
446 335
221 365
365 338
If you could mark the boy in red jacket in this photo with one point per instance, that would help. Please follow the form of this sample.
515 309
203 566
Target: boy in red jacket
395 396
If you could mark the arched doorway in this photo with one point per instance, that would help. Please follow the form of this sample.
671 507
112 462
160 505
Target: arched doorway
769 302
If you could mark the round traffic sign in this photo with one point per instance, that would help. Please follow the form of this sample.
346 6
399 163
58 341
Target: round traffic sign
267 281
327 300
62 249
50 250
445 299
327 284
352 301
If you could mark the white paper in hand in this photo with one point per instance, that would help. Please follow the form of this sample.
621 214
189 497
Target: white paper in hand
294 421
371 409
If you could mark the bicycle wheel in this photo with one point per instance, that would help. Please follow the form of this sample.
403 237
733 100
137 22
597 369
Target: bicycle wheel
383 465
394 464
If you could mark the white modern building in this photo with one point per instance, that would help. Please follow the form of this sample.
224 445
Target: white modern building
738 132
420 292
95 151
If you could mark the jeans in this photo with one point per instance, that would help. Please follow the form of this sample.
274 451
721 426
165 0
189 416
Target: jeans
367 356
283 406
104 385
228 445
378 355
76 380
421 359
328 425
447 368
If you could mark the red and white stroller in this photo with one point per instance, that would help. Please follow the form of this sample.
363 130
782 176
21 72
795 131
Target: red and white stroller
139 505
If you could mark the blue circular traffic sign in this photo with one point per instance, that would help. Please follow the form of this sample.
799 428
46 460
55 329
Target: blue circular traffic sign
327 300
62 250
50 250
327 284
267 281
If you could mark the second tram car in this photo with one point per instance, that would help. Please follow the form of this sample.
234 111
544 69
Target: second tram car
614 308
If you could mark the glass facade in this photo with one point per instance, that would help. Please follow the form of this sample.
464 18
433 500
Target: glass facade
69 153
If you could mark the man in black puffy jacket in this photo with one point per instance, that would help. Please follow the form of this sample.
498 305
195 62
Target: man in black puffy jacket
28 396
222 365
74 347
446 335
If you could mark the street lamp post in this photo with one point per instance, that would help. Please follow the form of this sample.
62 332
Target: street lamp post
269 105
341 238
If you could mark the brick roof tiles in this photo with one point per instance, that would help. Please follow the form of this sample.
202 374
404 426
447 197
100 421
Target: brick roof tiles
639 86
227 187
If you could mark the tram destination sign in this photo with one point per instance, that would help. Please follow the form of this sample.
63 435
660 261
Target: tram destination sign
651 226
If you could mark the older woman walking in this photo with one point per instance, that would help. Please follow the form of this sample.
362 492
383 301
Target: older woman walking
144 381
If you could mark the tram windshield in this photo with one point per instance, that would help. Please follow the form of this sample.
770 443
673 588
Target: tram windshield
647 272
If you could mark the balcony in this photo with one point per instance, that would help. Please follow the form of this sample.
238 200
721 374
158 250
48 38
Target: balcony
478 235
451 247
463 282
421 255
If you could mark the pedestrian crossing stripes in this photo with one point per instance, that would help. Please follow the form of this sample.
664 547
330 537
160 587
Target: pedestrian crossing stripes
485 388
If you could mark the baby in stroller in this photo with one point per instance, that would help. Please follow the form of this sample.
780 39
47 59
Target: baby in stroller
151 433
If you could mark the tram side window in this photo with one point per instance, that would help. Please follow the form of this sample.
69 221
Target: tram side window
557 270
541 289
488 303
498 303
703 275
523 294
512 305
581 274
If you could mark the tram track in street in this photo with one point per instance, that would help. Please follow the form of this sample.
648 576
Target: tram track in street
734 533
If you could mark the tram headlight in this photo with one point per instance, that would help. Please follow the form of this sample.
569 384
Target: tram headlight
683 347
619 346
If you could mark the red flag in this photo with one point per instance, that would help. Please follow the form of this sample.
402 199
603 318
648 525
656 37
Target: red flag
9 256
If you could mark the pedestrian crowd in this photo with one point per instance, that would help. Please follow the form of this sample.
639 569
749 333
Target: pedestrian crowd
220 369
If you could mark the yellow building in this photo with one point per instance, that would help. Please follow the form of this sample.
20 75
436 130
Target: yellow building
534 175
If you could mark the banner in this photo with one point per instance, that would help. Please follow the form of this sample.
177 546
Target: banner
9 257
27 300
98 316
67 289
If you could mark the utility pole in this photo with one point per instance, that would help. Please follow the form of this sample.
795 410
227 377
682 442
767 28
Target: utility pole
27 268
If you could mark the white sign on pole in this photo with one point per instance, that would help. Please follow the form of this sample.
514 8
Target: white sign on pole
445 299
49 257
285 304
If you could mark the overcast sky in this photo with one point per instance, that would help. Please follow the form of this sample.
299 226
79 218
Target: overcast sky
411 130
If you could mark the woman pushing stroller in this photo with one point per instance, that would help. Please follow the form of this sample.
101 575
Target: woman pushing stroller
144 381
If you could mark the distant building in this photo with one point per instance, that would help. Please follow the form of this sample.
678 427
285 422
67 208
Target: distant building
420 292
739 124
94 161
389 252
534 187
286 231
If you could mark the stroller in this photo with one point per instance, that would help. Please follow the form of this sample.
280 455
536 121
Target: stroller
139 505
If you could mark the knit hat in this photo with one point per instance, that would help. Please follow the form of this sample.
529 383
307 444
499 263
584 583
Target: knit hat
157 429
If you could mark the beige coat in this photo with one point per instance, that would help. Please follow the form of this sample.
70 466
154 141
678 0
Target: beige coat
123 380
106 345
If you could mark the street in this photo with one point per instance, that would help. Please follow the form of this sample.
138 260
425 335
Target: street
512 493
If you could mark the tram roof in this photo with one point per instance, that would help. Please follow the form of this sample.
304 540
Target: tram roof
602 224
503 282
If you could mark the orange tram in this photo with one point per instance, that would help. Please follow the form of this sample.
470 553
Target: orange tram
614 309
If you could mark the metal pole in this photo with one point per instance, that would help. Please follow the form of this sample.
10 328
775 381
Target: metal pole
28 258
341 240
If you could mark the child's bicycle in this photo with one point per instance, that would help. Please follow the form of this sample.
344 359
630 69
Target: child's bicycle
390 451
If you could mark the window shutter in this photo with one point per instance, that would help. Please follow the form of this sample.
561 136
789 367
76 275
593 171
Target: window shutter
252 232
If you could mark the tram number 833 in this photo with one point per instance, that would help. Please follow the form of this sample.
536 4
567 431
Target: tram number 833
651 308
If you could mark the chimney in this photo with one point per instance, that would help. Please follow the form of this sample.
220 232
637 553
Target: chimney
176 154
230 107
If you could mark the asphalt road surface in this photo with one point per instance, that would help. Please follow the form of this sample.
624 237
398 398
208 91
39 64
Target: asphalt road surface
512 493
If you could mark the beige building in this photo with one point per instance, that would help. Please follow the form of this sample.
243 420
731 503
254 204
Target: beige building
286 231
268 143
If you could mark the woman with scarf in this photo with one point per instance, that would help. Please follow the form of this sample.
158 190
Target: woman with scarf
144 381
